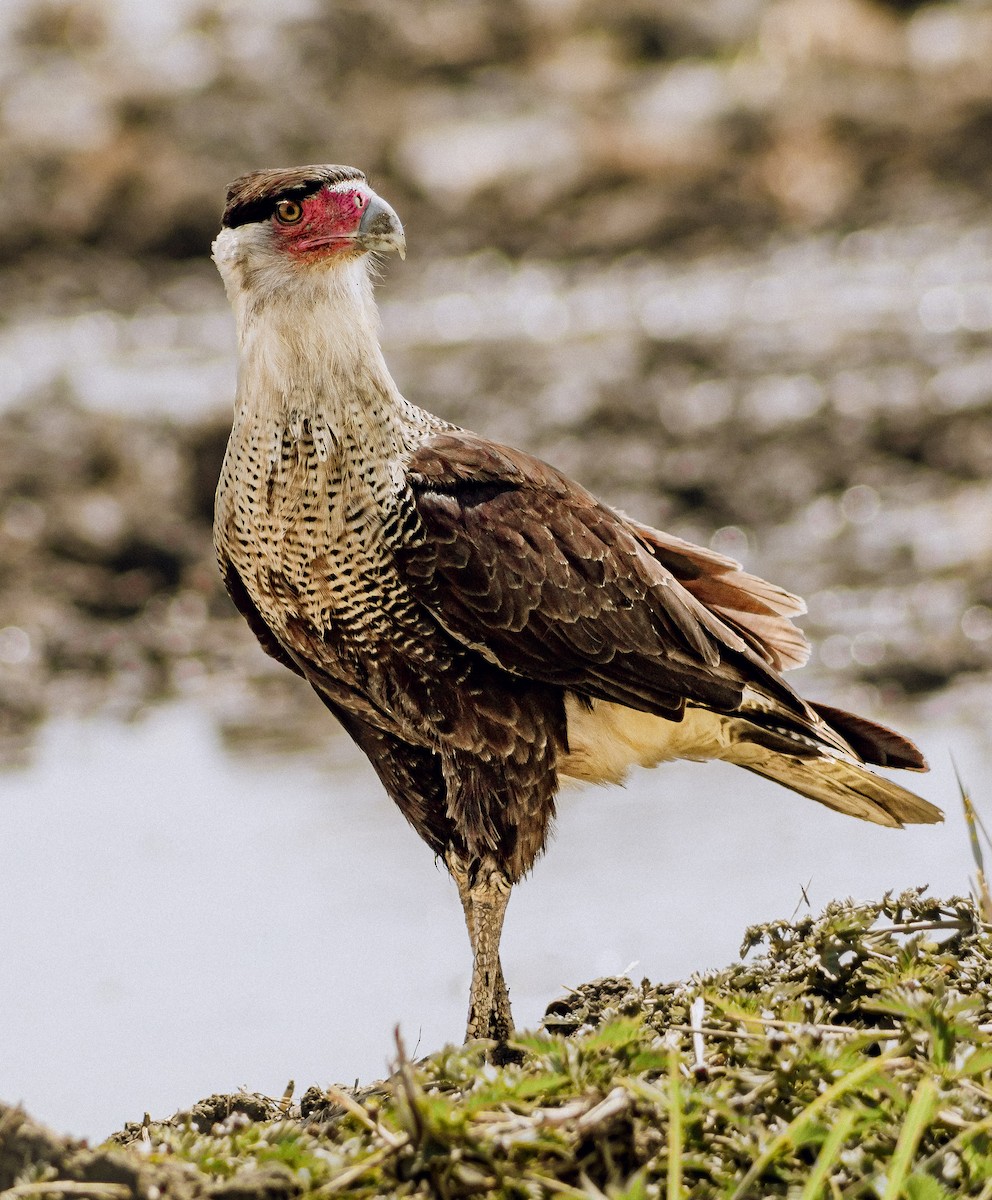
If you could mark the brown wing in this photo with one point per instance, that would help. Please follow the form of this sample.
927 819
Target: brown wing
759 611
523 564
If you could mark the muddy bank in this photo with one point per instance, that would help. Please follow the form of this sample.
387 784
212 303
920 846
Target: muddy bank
564 129
726 263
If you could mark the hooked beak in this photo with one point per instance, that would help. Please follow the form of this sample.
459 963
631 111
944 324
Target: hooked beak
380 228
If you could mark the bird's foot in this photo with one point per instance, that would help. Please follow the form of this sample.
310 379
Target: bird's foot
505 1055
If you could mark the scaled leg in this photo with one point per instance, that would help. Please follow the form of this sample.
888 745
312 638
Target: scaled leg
484 902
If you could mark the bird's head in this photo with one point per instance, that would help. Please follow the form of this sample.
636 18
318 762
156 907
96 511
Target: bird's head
282 225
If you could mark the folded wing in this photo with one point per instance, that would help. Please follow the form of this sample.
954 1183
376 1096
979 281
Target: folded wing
522 564
539 576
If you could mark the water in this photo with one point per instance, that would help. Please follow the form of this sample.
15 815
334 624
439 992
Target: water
177 919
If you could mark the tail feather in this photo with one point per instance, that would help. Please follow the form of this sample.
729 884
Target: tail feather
840 784
873 742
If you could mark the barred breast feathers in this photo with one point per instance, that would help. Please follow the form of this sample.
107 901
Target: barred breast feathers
312 365
312 483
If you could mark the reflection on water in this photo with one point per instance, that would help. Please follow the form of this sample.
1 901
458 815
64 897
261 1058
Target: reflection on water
175 920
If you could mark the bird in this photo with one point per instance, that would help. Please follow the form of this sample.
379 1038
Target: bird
482 626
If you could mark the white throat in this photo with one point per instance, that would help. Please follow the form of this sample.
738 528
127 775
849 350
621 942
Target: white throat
308 338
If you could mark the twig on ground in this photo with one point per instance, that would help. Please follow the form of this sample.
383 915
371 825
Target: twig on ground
697 1011
68 1187
355 1171
351 1105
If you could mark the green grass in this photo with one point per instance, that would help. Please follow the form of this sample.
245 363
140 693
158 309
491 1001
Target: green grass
850 1057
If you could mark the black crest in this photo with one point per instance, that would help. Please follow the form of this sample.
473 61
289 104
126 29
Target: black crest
253 197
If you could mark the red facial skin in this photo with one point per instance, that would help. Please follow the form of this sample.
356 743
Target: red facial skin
329 224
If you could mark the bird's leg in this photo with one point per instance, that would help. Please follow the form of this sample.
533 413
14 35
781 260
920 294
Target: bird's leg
489 1003
484 901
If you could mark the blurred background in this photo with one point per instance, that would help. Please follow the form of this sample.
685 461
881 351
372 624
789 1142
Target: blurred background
729 263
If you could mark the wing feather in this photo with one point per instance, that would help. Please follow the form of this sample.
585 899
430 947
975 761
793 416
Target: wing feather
759 611
524 564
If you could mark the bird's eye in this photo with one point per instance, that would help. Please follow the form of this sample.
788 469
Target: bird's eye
359 200
289 212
